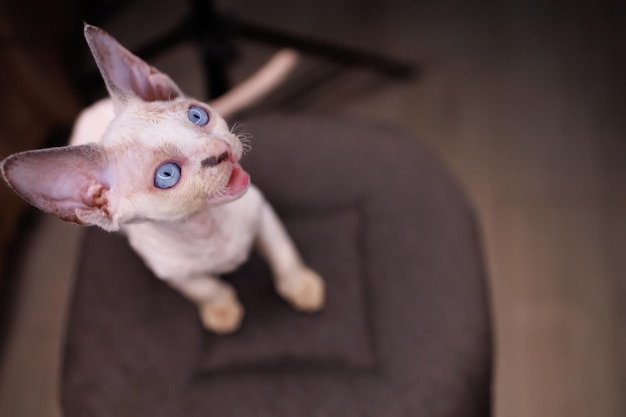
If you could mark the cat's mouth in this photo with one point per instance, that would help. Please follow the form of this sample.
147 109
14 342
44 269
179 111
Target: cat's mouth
236 187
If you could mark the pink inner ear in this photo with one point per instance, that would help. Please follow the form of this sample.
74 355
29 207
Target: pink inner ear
126 74
61 181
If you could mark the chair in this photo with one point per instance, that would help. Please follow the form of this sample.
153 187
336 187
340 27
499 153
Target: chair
406 330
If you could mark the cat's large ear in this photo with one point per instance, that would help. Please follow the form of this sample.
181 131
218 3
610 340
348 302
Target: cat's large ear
125 75
69 182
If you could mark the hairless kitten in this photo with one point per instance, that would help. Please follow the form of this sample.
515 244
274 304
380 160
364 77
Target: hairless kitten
164 169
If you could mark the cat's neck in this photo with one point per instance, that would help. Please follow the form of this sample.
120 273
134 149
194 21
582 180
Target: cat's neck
206 224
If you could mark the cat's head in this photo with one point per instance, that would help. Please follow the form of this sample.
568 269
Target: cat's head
164 157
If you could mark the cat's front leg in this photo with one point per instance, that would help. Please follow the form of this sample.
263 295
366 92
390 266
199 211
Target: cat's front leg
302 287
220 310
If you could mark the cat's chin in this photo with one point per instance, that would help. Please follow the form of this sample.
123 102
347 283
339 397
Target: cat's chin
236 187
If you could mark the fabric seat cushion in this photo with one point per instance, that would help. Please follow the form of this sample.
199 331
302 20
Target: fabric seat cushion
406 329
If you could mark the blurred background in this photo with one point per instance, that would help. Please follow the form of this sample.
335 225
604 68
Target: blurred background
523 100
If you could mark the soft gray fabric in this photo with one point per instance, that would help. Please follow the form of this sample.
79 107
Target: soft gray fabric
406 331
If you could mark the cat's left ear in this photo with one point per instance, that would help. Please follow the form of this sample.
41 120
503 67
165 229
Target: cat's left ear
70 182
126 75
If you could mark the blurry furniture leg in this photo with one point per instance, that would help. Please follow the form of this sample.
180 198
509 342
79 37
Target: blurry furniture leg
213 32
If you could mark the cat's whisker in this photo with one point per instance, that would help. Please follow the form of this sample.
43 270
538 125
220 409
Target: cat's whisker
245 138
237 128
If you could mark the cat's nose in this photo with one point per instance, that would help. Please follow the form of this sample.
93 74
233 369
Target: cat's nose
216 160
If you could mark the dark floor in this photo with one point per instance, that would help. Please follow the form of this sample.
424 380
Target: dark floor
525 102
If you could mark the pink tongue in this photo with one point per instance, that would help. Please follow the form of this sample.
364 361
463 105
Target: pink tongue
239 180
237 185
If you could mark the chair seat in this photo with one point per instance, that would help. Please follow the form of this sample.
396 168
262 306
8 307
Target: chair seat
406 330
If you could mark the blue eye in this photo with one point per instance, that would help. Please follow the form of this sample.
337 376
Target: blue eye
198 116
167 175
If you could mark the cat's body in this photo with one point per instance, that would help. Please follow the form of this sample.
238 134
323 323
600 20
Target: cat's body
164 169
217 240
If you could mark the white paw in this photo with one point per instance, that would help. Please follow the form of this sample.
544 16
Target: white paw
304 289
222 315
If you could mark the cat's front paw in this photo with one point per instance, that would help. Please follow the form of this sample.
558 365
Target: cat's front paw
222 315
304 289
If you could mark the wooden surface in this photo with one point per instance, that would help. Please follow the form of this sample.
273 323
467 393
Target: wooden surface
525 103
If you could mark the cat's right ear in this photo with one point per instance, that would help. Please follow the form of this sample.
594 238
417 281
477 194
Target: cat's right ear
70 182
126 76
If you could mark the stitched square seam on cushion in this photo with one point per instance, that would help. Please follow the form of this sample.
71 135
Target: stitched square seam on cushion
273 336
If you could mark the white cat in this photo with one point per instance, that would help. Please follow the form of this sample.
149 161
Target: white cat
166 172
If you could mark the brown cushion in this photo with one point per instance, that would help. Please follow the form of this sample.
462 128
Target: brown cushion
406 331
274 335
